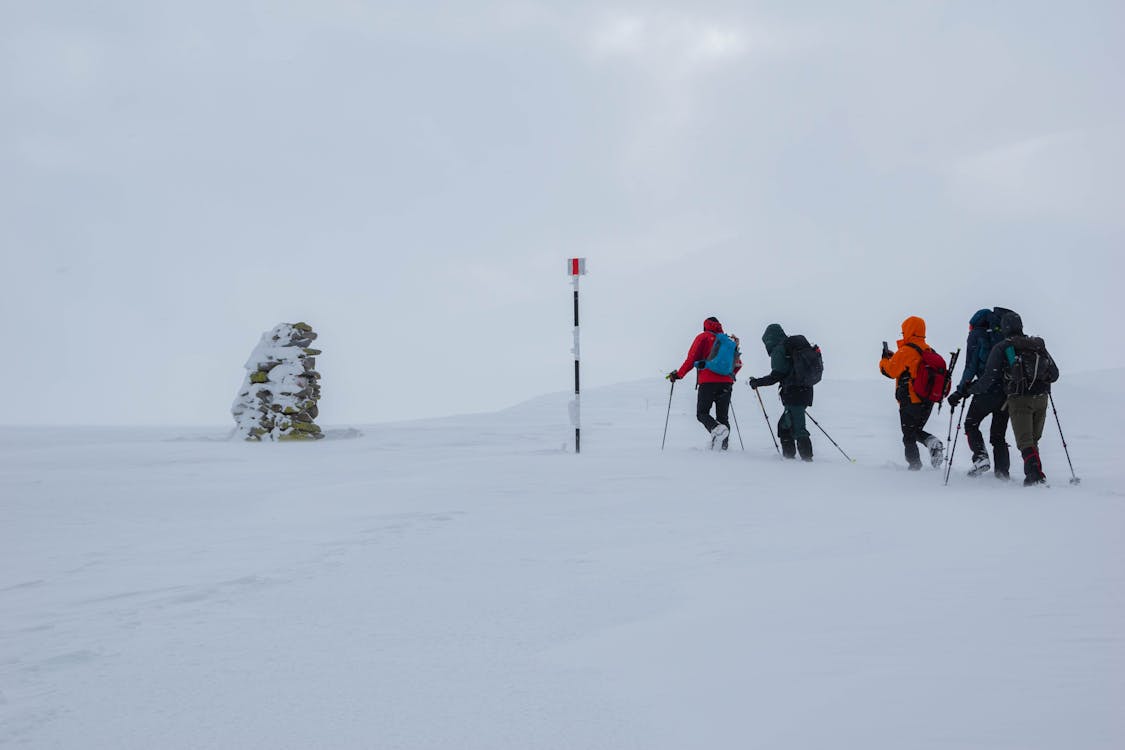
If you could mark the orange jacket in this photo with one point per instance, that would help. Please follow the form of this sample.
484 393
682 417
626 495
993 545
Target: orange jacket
904 363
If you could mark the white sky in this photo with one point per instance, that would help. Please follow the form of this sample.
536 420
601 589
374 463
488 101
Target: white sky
408 177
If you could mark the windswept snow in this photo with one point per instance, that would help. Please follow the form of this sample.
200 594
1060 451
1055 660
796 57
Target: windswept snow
470 583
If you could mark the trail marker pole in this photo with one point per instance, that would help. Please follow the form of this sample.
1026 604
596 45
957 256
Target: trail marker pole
576 269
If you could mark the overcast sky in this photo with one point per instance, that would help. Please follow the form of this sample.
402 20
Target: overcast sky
409 177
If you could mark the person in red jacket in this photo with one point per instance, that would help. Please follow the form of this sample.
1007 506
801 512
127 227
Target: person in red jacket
713 389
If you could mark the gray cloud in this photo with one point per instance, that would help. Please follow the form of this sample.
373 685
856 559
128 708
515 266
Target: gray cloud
175 179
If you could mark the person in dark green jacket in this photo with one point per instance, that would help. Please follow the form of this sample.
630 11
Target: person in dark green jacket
791 429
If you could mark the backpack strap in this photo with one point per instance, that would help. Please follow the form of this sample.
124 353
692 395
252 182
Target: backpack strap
918 349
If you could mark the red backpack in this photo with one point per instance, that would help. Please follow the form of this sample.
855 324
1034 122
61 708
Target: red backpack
932 381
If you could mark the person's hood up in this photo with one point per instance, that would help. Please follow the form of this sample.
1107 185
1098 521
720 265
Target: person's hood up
712 325
913 330
998 314
773 336
981 319
1011 325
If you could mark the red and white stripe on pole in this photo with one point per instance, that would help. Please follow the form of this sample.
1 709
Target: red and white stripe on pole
576 268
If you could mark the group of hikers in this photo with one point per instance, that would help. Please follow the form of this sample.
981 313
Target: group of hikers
1007 376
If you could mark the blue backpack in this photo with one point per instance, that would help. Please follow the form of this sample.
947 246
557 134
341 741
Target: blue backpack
724 353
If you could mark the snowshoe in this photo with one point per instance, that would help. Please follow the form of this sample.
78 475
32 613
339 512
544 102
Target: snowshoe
718 435
981 465
937 452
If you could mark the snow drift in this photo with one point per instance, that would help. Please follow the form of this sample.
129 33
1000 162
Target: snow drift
470 583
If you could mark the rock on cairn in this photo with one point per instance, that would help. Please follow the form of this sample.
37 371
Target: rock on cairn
278 399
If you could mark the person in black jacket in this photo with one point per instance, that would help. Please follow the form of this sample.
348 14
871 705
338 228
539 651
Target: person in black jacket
791 428
984 333
1025 368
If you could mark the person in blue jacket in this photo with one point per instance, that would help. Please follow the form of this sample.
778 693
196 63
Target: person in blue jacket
984 333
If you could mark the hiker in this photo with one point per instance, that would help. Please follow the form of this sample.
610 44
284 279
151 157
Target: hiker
795 391
904 367
984 333
1026 370
715 357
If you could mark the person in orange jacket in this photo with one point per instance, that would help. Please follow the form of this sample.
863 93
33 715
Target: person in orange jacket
902 367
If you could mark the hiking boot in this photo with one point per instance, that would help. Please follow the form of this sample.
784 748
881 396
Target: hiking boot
788 448
1032 467
804 447
980 465
937 451
915 467
718 435
1001 459
1003 475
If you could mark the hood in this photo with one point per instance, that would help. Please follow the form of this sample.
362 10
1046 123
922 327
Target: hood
773 336
981 319
712 325
998 314
1011 325
913 329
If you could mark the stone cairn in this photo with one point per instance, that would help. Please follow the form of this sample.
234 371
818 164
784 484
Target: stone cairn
278 399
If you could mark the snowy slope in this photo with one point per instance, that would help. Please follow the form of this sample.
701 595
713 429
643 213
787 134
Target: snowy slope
468 583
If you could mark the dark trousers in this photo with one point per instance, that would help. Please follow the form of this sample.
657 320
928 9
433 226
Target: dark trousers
793 433
985 405
717 395
913 418
1029 414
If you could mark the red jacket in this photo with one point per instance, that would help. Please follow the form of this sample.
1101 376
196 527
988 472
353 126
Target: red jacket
700 349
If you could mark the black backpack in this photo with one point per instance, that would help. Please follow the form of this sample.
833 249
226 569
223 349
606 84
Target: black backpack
1030 367
808 364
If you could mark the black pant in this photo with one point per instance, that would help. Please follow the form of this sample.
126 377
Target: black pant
793 433
717 394
983 405
913 418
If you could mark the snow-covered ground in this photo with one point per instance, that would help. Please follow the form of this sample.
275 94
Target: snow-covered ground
470 583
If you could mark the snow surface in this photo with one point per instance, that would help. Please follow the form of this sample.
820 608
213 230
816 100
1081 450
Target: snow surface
470 583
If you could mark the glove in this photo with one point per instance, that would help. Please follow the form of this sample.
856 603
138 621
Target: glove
754 383
887 354
673 376
956 397
699 365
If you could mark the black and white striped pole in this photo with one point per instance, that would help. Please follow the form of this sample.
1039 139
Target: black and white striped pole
576 269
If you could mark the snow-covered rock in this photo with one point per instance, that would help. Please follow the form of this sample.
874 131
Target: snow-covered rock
278 399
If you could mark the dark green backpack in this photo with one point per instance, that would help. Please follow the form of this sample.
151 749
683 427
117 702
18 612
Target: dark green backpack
808 363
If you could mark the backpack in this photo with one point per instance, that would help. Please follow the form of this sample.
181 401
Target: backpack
807 362
1029 365
932 381
724 354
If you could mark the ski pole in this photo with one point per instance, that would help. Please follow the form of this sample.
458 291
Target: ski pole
766 417
735 418
810 416
1073 477
949 466
669 414
953 356
949 435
